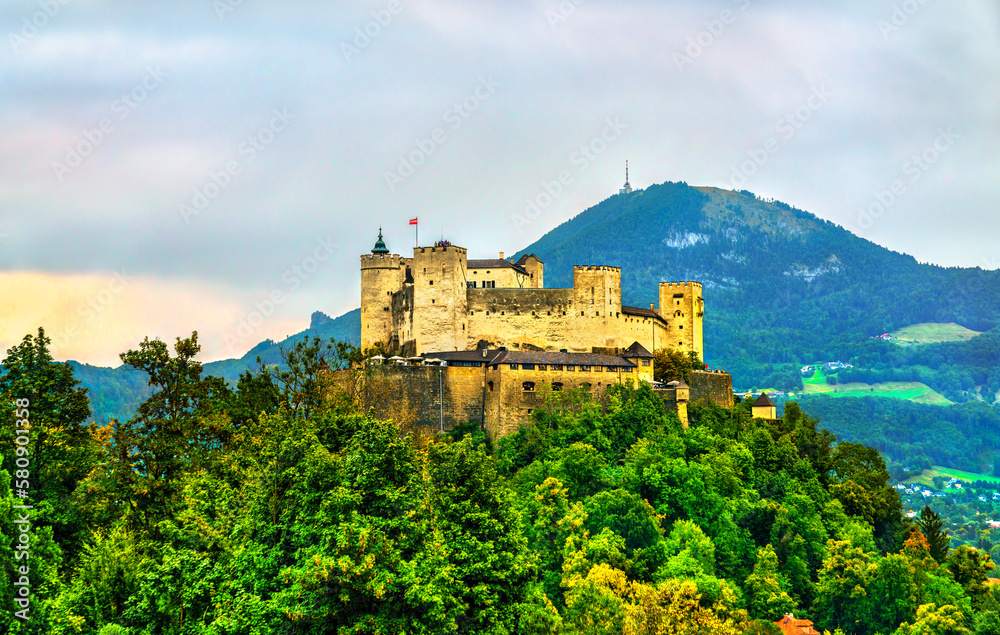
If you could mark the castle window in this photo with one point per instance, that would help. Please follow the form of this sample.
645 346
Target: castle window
433 301
491 386
626 369
503 313
425 269
472 312
584 369
557 386
541 367
513 366
585 386
557 367
527 367
532 312
385 309
487 314
463 327
550 312
529 386
570 367
681 326
471 285
564 313
530 411
645 362
581 312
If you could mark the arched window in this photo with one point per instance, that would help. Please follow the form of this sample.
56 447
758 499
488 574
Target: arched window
557 386
529 386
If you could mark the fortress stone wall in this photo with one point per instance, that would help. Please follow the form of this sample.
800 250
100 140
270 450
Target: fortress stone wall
509 343
434 301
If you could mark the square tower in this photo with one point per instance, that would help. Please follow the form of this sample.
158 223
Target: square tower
440 302
683 308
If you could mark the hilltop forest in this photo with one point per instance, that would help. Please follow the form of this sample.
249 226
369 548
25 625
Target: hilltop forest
289 503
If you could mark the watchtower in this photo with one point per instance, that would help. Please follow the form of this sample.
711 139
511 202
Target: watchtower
597 290
440 300
683 308
381 276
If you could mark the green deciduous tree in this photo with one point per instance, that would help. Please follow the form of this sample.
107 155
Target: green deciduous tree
934 620
62 446
766 595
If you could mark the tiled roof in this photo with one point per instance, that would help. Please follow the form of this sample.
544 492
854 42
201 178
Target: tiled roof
523 259
495 263
789 625
464 356
764 400
637 350
647 313
546 357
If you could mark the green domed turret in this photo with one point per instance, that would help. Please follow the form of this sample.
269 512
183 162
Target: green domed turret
380 248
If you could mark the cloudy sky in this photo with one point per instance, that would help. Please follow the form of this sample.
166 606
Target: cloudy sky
175 166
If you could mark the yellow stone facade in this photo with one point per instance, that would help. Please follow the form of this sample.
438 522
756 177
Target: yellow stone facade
439 300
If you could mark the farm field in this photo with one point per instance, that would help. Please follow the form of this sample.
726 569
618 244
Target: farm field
927 478
909 390
932 332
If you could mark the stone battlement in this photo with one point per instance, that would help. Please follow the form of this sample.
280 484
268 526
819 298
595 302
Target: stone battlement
597 268
379 261
423 250
681 284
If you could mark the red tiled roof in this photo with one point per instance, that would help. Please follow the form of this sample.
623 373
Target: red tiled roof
789 625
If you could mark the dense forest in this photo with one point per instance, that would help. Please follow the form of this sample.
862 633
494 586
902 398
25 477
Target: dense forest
287 504
965 436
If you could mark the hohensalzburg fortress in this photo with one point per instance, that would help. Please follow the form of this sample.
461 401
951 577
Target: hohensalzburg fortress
439 300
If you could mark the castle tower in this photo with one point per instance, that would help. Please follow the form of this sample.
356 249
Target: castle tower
682 306
440 298
597 290
381 276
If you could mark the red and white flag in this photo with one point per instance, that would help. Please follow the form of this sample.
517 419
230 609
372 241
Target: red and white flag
413 221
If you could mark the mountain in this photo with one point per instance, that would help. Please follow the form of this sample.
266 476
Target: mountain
346 328
782 287
117 392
